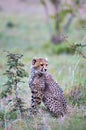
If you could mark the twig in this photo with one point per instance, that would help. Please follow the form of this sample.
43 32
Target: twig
80 53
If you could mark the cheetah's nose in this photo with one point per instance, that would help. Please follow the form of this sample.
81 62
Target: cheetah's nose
45 69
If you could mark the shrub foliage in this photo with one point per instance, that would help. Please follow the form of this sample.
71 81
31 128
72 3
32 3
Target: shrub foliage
14 73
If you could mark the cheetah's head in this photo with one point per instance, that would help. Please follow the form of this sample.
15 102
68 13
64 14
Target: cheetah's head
40 65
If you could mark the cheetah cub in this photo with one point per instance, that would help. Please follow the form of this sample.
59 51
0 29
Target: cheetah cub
45 89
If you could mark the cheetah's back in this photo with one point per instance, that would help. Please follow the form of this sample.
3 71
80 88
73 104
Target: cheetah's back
54 98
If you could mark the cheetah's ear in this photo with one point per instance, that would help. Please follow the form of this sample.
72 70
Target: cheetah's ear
46 59
33 61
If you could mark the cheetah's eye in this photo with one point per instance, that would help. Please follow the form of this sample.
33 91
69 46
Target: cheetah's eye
41 64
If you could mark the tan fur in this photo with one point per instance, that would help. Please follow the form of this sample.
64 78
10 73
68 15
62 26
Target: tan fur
40 64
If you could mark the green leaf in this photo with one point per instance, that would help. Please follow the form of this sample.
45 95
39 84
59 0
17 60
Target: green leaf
21 73
3 94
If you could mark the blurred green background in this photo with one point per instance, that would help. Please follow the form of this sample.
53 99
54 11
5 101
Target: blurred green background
25 29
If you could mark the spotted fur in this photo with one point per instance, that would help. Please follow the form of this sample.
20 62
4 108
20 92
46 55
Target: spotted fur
53 98
45 89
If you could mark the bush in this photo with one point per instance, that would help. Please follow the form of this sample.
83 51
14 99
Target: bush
62 48
59 48
1 115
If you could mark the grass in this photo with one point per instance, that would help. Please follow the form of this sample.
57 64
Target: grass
30 36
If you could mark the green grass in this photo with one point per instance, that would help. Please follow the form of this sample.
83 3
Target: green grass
30 36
